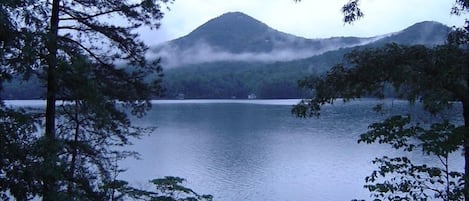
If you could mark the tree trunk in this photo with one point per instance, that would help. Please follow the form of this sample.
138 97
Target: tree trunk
74 150
50 187
465 105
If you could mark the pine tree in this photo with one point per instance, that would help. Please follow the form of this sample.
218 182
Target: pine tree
89 56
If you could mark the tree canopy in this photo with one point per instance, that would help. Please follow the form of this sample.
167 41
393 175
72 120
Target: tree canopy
77 50
437 77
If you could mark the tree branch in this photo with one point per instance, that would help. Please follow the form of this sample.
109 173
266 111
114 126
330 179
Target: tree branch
74 28
91 53
87 17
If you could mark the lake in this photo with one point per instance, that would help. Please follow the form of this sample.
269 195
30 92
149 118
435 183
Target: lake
256 150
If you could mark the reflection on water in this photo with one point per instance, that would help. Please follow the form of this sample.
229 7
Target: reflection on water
241 151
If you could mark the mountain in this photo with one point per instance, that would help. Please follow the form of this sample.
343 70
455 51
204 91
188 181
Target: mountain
240 72
239 37
235 55
237 32
424 33
235 36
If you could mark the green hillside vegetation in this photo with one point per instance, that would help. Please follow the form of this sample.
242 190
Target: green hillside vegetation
235 80
237 32
279 79
239 79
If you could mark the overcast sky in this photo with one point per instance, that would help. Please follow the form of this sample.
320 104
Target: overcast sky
309 18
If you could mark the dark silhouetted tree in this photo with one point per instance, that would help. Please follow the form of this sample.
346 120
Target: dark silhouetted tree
437 77
88 54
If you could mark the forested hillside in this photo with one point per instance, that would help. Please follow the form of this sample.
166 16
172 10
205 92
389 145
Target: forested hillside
235 55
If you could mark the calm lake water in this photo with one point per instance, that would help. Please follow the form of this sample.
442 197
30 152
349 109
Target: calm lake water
255 150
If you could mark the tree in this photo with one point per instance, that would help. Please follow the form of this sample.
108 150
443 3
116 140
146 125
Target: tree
434 76
18 165
399 178
75 47
167 189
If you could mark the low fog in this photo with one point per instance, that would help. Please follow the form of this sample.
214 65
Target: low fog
172 56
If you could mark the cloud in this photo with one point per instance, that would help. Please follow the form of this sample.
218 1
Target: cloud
201 52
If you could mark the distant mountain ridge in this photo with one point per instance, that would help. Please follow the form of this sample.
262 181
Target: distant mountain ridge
235 36
237 32
235 55
424 33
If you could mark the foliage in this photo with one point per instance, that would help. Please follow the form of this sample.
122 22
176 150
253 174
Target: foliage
18 165
399 178
351 11
436 77
72 49
228 79
167 189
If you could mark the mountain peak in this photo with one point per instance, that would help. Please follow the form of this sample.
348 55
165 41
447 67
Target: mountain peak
225 32
236 22
426 26
236 18
424 33
234 14
237 36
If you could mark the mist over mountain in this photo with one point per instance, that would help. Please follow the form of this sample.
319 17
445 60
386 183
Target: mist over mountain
235 55
236 36
428 33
